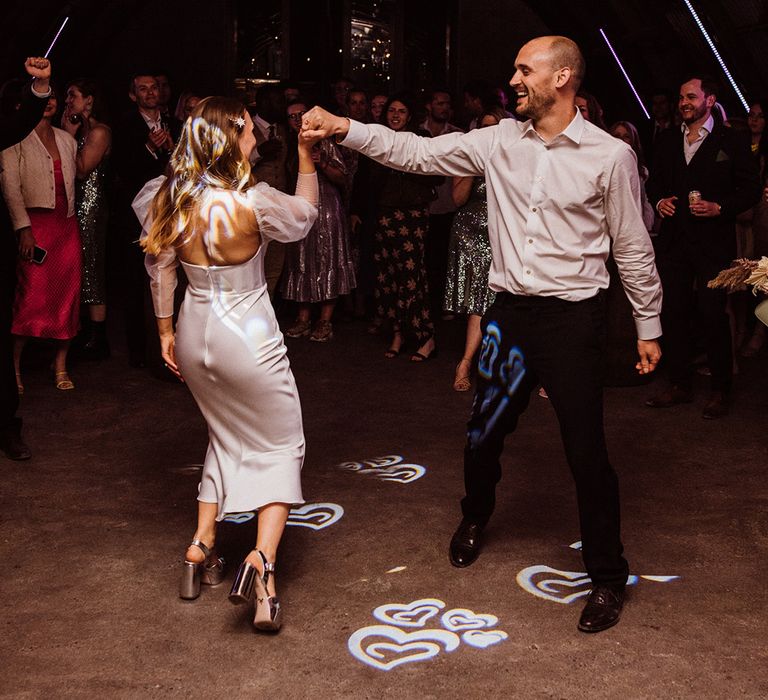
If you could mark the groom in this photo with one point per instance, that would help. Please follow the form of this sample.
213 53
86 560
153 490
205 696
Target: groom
561 194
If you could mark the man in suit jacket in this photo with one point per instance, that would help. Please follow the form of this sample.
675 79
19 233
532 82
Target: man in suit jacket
15 125
697 237
143 143
661 111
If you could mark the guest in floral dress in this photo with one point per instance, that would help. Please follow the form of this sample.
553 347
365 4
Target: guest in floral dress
401 293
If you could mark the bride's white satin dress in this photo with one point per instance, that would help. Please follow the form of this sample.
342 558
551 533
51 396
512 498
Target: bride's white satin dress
231 353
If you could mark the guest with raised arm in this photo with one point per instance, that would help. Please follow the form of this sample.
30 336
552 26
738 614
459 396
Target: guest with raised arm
17 119
211 215
561 192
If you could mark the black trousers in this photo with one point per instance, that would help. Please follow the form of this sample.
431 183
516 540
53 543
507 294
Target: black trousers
135 292
684 273
560 344
9 395
438 240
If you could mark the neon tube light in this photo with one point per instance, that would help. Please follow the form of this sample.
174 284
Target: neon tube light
56 38
626 76
716 53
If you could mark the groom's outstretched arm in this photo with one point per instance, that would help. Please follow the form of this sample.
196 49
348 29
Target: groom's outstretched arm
450 154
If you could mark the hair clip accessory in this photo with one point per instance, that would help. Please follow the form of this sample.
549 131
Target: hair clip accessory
239 122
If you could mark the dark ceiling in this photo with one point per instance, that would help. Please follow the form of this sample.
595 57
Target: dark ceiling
657 40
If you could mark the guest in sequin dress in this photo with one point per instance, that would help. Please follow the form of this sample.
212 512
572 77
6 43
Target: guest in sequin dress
83 118
402 223
38 179
469 260
319 268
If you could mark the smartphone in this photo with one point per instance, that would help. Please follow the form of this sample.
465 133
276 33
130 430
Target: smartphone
38 254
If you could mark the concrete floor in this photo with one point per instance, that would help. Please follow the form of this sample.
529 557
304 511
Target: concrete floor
93 529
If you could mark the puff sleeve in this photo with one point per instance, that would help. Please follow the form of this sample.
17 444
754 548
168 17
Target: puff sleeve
161 267
282 217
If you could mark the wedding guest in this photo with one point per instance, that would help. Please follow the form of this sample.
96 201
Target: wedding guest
590 109
442 208
38 181
319 268
18 116
402 226
697 239
754 225
163 93
357 104
83 118
187 102
627 132
143 141
469 261
377 107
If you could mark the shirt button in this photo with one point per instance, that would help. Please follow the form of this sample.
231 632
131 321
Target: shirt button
527 272
534 209
530 240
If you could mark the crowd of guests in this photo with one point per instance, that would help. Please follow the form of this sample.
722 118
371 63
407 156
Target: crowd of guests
398 249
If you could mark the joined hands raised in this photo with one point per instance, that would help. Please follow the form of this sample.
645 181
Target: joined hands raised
318 124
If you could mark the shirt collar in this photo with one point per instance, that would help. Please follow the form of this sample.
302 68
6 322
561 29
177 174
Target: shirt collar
263 124
574 131
151 120
707 126
424 124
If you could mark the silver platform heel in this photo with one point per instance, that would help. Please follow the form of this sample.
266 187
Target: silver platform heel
268 615
210 572
242 586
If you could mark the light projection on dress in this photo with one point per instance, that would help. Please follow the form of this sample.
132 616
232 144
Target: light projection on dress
315 516
565 587
387 468
491 404
410 633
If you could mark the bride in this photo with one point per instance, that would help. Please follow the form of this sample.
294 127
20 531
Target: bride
210 215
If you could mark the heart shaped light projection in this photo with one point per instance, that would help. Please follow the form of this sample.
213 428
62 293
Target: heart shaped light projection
396 647
413 614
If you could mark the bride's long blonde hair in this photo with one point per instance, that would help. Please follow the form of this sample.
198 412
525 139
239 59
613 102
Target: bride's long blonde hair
208 155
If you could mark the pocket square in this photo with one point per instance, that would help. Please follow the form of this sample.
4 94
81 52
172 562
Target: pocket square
721 157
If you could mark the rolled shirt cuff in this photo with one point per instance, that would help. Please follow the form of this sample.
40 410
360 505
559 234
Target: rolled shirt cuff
648 328
41 95
356 136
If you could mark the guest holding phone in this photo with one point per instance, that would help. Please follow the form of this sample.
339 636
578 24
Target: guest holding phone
18 116
38 181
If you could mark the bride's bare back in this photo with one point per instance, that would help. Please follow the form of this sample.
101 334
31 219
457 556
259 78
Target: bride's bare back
226 232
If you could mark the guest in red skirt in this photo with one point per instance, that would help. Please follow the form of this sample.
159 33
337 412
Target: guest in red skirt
38 181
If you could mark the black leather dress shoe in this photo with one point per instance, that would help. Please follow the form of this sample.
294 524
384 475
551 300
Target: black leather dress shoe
603 609
670 397
716 406
465 543
11 443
